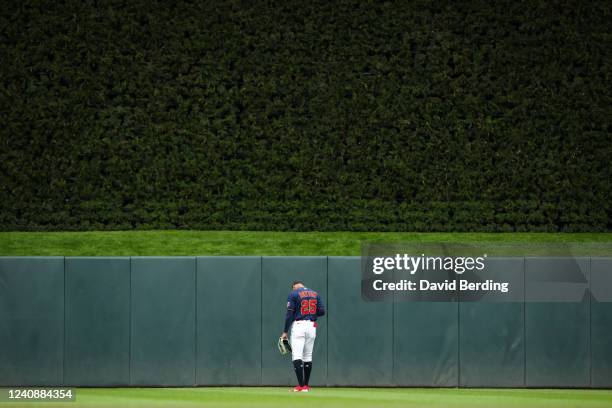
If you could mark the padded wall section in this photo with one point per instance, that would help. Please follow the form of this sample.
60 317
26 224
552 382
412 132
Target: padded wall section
163 321
492 335
601 322
97 321
31 321
360 341
426 344
277 275
229 321
425 333
557 330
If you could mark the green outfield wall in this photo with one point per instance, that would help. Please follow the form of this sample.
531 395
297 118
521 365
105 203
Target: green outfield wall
188 321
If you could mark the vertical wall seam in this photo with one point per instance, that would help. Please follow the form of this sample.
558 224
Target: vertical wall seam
590 324
64 334
195 323
393 306
130 325
261 320
458 337
327 322
524 322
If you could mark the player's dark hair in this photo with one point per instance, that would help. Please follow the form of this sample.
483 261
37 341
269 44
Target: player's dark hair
296 282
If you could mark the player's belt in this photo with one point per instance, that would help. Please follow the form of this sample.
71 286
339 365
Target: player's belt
314 323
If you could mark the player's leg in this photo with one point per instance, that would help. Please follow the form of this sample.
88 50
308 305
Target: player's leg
298 338
311 334
307 371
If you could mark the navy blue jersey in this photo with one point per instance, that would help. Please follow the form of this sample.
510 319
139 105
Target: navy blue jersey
303 304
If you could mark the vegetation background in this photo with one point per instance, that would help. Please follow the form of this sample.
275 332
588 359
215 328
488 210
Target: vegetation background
301 116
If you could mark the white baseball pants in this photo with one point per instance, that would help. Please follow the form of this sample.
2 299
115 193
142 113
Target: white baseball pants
303 334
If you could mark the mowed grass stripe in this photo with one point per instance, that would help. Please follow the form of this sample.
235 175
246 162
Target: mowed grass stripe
273 397
176 243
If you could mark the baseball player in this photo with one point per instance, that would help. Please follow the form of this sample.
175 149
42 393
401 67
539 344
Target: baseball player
304 306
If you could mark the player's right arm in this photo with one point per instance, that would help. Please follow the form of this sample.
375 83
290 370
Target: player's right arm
291 308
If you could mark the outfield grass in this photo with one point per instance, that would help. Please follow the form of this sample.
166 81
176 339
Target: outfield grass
168 243
332 397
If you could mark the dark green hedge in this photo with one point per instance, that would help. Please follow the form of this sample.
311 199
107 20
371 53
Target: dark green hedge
306 115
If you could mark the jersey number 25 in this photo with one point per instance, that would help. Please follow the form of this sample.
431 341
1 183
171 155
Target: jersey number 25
308 307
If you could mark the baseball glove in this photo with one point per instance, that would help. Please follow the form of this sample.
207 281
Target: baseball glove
283 346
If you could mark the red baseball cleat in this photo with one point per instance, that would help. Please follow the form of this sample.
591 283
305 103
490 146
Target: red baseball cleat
306 388
298 388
